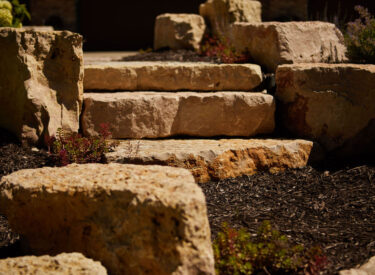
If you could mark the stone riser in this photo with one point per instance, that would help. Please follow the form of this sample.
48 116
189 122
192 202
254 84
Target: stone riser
171 76
216 159
159 115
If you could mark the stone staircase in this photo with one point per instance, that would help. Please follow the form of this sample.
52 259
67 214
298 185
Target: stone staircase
199 116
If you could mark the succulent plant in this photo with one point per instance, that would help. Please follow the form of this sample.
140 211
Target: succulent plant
6 17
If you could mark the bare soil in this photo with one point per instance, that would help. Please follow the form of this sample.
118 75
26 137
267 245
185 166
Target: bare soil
332 207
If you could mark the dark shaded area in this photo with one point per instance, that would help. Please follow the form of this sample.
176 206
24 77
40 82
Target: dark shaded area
172 55
125 25
14 157
334 210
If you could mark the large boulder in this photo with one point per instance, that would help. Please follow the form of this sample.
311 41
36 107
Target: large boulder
41 82
62 264
179 31
172 76
274 43
133 219
220 14
216 159
330 103
163 114
284 10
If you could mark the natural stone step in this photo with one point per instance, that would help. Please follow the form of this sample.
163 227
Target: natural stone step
171 76
62 264
216 159
274 43
330 103
162 114
133 219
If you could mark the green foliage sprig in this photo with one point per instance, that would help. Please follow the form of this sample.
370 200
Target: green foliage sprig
12 14
360 37
20 13
237 253
66 148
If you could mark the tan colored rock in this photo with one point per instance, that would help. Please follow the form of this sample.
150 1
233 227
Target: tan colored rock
162 114
38 28
220 14
330 103
171 76
366 269
216 159
62 264
133 219
274 43
41 82
179 31
284 10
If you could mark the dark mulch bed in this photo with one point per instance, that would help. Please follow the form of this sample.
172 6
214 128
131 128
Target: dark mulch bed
171 55
334 210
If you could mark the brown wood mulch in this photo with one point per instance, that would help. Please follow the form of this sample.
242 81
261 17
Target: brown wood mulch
333 209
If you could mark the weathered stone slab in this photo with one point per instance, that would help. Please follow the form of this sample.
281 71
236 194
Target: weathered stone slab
179 31
41 82
171 76
216 159
366 269
163 114
133 219
220 14
62 264
330 103
274 43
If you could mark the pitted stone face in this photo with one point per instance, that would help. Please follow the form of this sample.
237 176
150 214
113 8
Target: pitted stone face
41 82
133 219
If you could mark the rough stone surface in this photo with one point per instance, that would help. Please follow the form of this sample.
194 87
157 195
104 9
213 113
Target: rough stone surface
284 10
330 103
274 43
133 219
366 269
62 264
38 28
171 76
216 159
179 31
220 14
41 82
162 114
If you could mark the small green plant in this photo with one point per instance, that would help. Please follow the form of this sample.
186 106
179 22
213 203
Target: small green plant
6 17
12 14
237 253
360 37
222 51
68 148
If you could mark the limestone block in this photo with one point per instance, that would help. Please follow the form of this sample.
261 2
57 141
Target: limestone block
62 264
220 14
172 76
163 114
133 219
179 31
366 269
330 103
216 159
41 82
274 43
